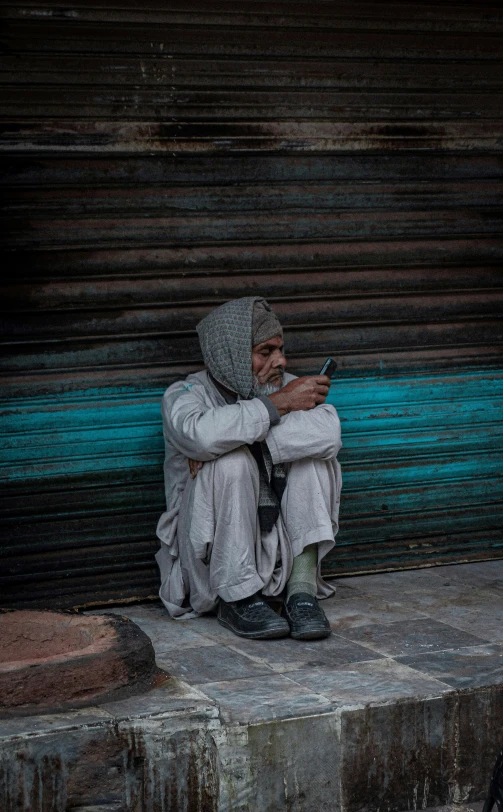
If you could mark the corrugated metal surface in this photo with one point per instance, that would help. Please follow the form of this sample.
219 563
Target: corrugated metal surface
344 160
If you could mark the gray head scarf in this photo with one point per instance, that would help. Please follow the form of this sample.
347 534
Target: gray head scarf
227 335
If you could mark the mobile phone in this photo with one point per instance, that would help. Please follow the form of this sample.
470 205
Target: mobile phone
329 367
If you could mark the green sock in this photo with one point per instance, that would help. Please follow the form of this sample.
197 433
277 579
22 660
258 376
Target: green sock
303 575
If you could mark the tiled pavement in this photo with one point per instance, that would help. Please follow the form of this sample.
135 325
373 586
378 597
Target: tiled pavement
400 709
394 635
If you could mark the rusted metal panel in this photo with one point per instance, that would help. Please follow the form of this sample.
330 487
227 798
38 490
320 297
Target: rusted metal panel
178 289
371 15
251 198
200 105
425 312
249 227
285 135
254 258
51 34
157 70
344 160
168 171
71 355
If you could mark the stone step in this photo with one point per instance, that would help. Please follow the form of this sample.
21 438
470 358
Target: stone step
400 709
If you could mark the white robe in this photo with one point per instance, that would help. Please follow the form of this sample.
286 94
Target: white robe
211 544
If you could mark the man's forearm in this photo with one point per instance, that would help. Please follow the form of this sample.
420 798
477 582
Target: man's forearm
206 435
315 433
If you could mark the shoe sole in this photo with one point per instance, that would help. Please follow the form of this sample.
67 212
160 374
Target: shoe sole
269 634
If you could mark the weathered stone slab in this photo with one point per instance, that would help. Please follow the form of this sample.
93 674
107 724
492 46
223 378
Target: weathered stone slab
264 698
404 637
290 765
19 727
453 593
289 655
485 623
398 583
164 765
372 681
207 664
172 697
300 770
151 753
416 754
342 591
363 610
470 667
476 574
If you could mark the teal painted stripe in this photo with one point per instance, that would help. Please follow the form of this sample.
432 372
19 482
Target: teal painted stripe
372 474
396 416
425 447
359 417
138 439
82 479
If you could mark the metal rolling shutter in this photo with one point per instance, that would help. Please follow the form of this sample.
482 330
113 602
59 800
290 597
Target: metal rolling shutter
341 159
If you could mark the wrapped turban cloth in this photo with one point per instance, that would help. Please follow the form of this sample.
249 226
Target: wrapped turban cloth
227 335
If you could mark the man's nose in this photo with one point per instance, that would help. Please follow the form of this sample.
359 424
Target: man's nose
279 360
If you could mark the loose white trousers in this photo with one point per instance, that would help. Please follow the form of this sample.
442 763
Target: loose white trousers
221 552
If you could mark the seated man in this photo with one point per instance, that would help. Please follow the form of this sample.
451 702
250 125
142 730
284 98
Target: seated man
252 482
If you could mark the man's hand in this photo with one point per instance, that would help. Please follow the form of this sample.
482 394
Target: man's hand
301 394
194 467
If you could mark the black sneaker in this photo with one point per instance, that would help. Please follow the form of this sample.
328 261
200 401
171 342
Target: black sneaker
252 617
306 618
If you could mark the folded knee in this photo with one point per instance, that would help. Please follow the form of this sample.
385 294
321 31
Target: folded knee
236 464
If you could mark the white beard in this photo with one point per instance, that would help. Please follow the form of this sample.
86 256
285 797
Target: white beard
266 388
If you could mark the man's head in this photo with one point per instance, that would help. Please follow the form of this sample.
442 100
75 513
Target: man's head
242 344
268 361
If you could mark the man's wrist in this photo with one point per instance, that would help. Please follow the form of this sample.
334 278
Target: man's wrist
279 403
274 414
